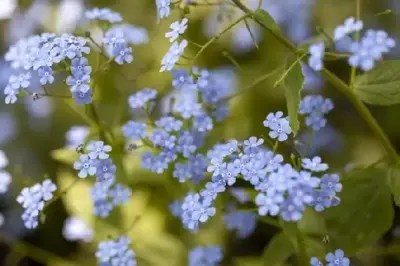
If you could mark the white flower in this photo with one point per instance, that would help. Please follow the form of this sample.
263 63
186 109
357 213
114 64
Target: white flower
76 229
3 159
177 28
172 56
5 180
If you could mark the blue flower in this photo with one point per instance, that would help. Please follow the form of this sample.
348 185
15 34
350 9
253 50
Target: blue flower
280 130
160 137
169 123
122 53
202 122
205 256
97 149
182 79
350 25
272 119
116 253
82 97
79 83
176 208
80 67
337 259
163 8
315 106
172 56
317 51
86 166
290 211
46 75
269 203
105 169
33 199
20 81
243 222
177 28
315 262
229 173
251 145
371 47
202 211
134 130
331 184
315 164
105 14
120 194
139 99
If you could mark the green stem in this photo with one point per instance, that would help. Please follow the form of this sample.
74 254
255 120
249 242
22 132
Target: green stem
275 148
303 258
220 34
357 37
338 84
97 121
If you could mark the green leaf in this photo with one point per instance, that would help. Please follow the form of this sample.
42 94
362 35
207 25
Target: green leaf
365 212
394 183
293 82
278 250
64 155
381 85
265 19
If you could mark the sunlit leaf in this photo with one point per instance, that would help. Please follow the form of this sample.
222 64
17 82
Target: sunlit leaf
64 155
77 198
381 85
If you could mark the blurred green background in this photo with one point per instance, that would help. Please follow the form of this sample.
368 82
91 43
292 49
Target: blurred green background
30 140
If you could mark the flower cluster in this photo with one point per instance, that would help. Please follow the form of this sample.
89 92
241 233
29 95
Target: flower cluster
117 37
283 189
40 57
33 201
365 52
315 107
116 253
199 106
39 54
105 193
317 52
371 47
332 259
177 48
104 14
205 256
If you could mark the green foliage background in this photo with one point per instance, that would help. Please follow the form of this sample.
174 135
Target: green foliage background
364 225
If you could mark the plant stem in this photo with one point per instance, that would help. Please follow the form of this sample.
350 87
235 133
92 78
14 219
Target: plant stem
338 84
357 37
220 34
